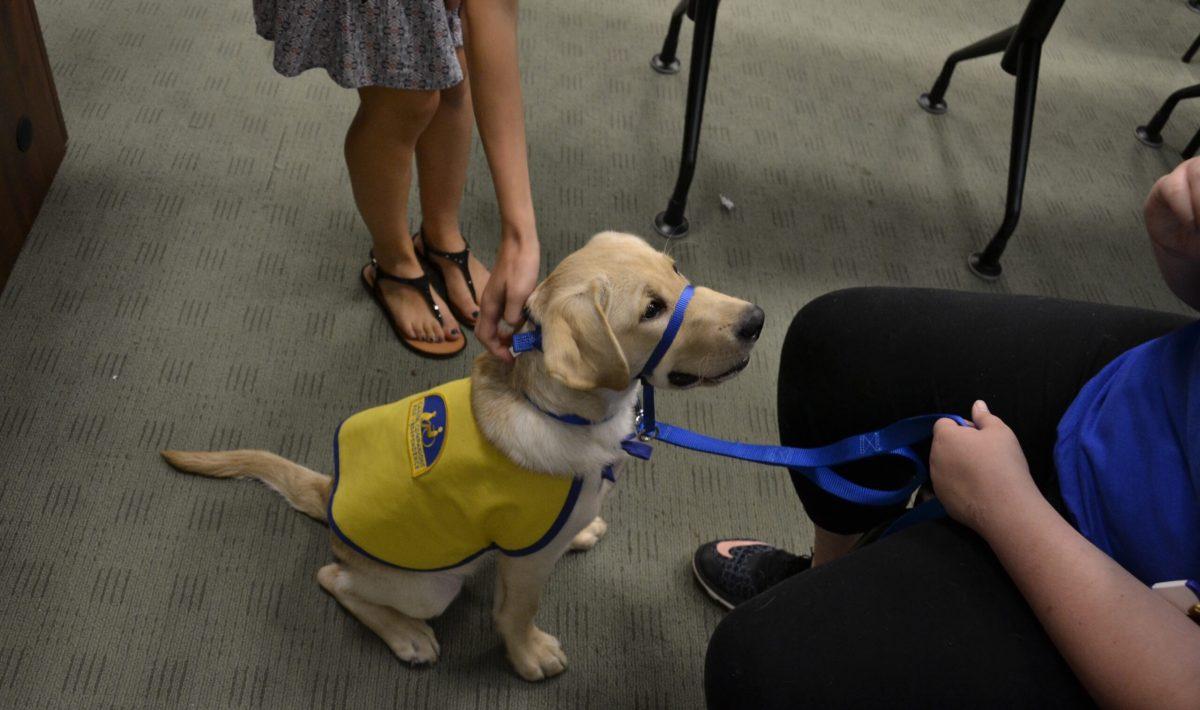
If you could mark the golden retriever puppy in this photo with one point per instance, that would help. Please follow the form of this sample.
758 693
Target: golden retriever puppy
514 460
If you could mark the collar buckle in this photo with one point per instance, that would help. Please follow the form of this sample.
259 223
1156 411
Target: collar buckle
527 341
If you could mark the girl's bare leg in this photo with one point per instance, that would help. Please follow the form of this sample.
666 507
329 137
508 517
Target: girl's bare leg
443 152
379 154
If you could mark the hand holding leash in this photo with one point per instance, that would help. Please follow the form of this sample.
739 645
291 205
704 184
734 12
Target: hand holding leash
979 470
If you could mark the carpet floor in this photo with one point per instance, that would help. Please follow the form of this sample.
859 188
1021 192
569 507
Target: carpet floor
192 283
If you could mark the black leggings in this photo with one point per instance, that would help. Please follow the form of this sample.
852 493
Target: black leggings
927 617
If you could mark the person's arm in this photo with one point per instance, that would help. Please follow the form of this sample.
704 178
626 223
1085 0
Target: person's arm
1173 222
1128 646
490 31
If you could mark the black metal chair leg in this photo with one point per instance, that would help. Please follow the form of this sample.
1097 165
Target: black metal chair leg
986 264
1188 55
671 223
1190 151
1151 133
934 102
665 62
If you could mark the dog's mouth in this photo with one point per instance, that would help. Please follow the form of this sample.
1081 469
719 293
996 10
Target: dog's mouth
684 380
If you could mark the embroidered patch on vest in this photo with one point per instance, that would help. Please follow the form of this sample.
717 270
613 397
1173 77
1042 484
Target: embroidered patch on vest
426 432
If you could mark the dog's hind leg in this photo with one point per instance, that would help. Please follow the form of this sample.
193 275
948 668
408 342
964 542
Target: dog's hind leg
419 595
410 639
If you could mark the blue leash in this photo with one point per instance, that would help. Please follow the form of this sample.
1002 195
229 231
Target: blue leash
814 464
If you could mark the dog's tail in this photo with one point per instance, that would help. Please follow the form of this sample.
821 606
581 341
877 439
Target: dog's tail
306 490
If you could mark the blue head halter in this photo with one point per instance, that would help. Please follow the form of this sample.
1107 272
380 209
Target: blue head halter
635 444
647 427
532 340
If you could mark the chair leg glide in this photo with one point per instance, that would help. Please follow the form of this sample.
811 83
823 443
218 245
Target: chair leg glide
666 62
1151 133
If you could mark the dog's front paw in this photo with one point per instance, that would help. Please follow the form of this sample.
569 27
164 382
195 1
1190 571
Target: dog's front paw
537 656
587 538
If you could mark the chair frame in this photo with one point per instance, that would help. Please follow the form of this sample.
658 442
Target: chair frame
1151 133
672 222
1191 51
1022 48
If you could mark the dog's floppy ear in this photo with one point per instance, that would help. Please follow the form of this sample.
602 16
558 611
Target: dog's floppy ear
581 350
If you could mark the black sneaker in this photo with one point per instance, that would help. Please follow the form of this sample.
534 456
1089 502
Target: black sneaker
732 571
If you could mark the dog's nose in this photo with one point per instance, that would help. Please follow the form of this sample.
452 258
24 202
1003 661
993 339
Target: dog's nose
752 324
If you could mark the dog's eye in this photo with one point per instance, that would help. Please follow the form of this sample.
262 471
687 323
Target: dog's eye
653 309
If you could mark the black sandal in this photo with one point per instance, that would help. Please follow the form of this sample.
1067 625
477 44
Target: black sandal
461 259
437 351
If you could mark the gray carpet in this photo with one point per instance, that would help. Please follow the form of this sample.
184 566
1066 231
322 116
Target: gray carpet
192 282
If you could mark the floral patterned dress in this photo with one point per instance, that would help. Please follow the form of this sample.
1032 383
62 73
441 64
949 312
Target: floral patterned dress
400 44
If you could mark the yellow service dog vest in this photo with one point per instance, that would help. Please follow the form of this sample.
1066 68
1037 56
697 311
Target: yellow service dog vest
417 486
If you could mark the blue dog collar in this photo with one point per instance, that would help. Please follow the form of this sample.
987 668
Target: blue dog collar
532 340
572 419
634 444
